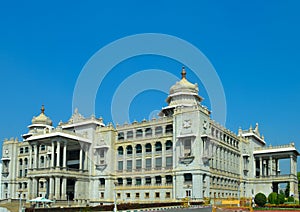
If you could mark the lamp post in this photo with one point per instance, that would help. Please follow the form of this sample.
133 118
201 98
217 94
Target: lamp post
115 197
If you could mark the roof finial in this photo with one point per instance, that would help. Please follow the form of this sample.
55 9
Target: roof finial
183 73
43 109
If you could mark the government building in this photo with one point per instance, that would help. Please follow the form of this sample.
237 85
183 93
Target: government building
183 153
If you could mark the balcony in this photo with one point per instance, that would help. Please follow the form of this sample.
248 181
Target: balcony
187 159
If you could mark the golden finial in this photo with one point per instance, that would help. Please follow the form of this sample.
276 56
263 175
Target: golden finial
183 73
43 109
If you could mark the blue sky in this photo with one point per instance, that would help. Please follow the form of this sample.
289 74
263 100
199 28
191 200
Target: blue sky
254 47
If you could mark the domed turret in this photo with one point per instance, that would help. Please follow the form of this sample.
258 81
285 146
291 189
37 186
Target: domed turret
184 85
183 93
42 118
39 124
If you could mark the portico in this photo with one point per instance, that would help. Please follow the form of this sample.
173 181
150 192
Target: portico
267 166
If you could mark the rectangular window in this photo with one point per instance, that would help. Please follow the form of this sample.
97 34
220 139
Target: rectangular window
147 195
138 164
169 179
129 181
128 195
138 181
156 194
120 165
102 195
158 179
168 195
187 147
169 162
120 181
20 173
148 163
129 165
148 180
119 195
158 163
188 193
137 195
102 182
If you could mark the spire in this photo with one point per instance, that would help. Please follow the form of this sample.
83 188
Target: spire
183 73
43 109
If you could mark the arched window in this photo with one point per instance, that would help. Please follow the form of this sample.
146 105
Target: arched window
139 133
158 130
120 136
129 150
42 159
148 147
43 147
26 161
158 146
138 148
20 162
129 134
169 145
148 132
169 128
120 150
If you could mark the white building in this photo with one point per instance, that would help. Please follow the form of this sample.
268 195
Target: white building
184 153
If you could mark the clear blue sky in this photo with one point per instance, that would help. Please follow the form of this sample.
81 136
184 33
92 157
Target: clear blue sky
254 47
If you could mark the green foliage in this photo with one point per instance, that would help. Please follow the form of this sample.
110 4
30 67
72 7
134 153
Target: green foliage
272 198
291 199
280 198
287 190
260 199
298 176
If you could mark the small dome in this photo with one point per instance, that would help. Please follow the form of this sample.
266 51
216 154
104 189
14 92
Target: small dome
42 118
184 85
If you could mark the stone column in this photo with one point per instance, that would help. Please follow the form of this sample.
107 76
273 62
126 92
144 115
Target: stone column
58 154
53 155
57 188
51 188
153 156
260 166
163 155
133 158
271 166
292 165
86 153
65 155
29 188
143 159
64 189
197 188
80 159
35 162
30 157
35 188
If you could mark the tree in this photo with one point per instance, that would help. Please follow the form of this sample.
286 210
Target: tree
287 190
260 199
298 176
280 198
272 198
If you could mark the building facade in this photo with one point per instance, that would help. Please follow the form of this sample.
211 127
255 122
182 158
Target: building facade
183 153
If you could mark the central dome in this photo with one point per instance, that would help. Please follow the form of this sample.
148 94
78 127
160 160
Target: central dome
42 118
184 85
182 89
